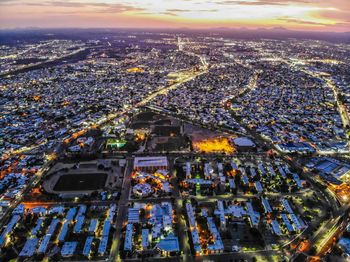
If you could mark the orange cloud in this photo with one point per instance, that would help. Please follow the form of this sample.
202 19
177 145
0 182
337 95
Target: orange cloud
294 14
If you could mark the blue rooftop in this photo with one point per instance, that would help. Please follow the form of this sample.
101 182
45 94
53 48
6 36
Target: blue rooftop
169 244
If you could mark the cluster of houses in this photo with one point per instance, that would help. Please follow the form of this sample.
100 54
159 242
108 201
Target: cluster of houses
216 245
157 229
256 177
15 174
202 99
332 170
12 185
148 183
295 111
16 56
55 103
82 143
280 218
55 225
151 177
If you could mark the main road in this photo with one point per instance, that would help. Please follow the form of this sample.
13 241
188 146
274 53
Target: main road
182 230
122 210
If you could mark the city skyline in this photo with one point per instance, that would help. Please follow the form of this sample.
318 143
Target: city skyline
303 15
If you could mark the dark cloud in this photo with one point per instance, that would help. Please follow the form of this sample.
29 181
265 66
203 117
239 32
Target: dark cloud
300 21
168 13
178 10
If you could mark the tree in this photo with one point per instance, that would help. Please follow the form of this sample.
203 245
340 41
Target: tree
312 251
142 213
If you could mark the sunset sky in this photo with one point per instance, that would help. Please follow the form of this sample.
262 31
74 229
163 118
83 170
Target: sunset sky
320 15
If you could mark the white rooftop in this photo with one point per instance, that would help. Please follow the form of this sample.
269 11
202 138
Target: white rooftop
244 142
159 161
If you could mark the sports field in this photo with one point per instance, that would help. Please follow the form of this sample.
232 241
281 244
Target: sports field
76 182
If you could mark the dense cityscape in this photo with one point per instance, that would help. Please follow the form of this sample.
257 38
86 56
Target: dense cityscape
177 146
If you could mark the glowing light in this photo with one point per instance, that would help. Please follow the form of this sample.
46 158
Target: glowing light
221 144
36 98
135 70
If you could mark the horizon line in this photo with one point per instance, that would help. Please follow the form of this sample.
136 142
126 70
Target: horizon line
173 28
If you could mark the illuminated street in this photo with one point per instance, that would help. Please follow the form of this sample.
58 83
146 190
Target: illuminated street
174 145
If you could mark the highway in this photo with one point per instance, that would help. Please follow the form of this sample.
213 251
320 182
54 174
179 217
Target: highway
40 64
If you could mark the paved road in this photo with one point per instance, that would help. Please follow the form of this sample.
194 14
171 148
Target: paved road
182 232
43 63
122 210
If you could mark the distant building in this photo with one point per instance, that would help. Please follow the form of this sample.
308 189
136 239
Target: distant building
29 247
145 238
68 249
87 246
150 163
217 246
8 229
133 215
93 225
299 147
128 237
276 228
103 246
244 144
43 245
344 244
